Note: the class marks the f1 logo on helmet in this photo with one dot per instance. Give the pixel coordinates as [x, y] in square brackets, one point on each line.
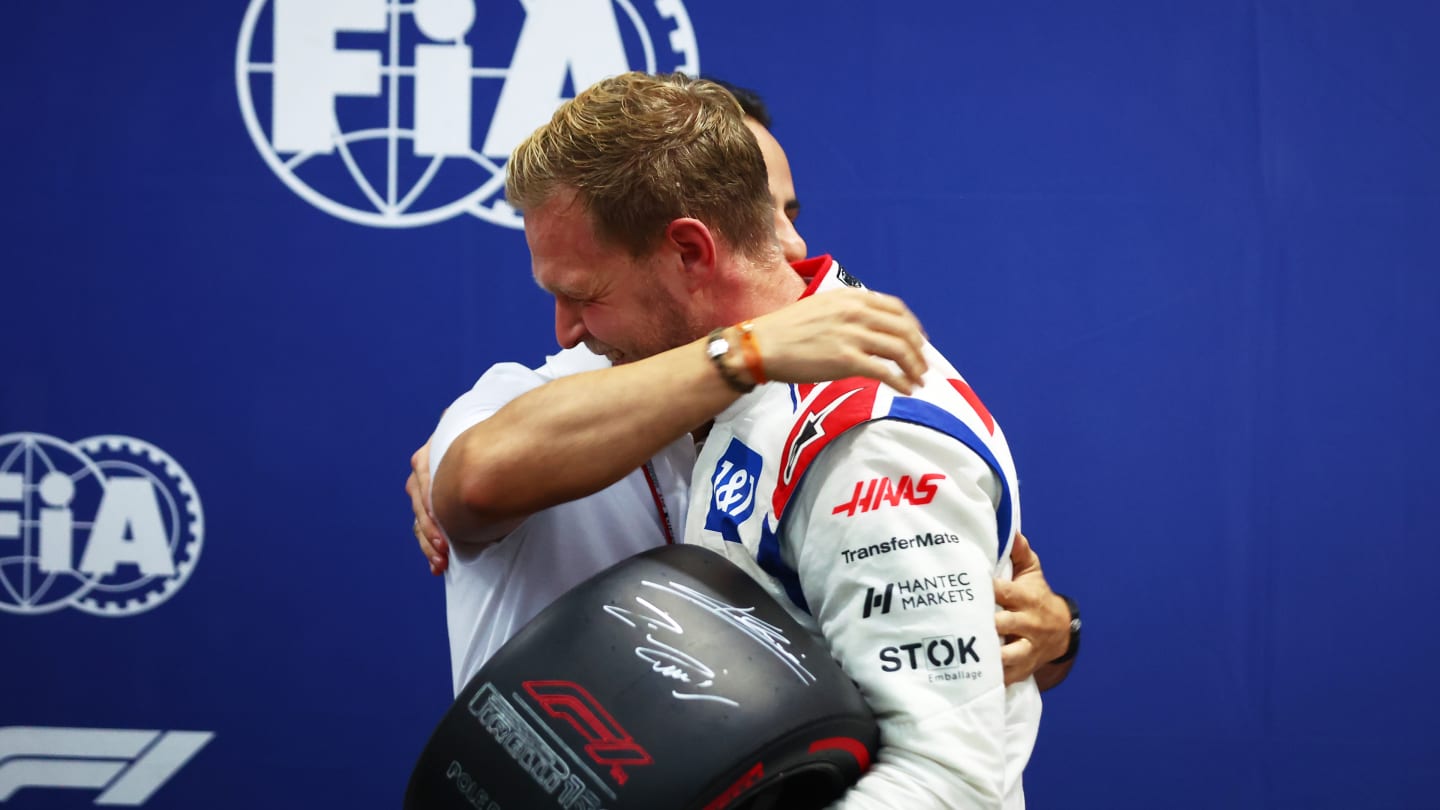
[371, 109]
[606, 742]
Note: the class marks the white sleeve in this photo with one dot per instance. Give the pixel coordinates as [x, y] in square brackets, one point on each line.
[500, 384]
[894, 540]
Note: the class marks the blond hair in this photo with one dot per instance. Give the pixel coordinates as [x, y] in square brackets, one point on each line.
[643, 150]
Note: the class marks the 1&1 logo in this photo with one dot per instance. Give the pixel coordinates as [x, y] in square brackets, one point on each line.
[109, 525]
[375, 107]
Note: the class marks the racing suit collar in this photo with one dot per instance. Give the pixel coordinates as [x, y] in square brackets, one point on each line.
[813, 270]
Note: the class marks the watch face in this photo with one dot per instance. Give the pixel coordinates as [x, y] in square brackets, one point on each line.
[719, 347]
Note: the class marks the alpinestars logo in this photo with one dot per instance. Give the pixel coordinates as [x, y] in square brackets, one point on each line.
[811, 431]
[386, 113]
[109, 525]
[129, 766]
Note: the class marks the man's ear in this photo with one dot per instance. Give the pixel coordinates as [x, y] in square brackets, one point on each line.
[694, 245]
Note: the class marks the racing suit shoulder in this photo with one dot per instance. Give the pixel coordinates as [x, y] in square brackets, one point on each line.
[894, 539]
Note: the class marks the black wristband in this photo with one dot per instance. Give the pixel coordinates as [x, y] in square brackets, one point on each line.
[1074, 648]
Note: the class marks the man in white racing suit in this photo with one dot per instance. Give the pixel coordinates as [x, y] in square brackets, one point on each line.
[648, 219]
[879, 521]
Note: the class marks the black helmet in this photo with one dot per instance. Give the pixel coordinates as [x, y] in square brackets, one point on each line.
[670, 681]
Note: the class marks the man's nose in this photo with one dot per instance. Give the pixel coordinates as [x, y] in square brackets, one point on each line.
[569, 328]
[791, 243]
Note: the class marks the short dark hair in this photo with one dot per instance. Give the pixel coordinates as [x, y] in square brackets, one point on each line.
[750, 101]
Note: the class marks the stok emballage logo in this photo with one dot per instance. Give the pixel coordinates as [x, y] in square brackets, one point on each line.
[400, 113]
[109, 525]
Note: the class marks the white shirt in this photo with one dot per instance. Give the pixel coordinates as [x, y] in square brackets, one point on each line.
[491, 594]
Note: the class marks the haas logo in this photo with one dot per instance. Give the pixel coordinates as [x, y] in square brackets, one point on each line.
[384, 113]
[879, 492]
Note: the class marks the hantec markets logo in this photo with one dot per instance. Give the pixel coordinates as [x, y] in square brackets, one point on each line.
[109, 525]
[916, 593]
[401, 113]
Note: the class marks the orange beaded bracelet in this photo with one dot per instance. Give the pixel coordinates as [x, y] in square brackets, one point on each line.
[751, 350]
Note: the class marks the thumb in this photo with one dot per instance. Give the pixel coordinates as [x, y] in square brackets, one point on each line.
[1022, 556]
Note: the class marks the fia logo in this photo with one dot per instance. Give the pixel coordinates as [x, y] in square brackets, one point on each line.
[109, 525]
[381, 113]
[732, 490]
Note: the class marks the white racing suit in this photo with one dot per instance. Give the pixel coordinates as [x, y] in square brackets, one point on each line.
[879, 520]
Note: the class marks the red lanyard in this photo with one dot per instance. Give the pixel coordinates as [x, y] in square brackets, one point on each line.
[650, 478]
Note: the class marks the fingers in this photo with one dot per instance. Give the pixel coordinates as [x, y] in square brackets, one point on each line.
[884, 339]
[420, 468]
[1009, 595]
[891, 359]
[1010, 623]
[426, 532]
[895, 335]
[432, 545]
[1044, 620]
[845, 333]
[1019, 659]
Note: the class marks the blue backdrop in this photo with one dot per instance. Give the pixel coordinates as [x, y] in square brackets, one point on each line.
[1186, 251]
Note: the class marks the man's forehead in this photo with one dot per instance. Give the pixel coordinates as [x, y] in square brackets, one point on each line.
[777, 165]
[566, 257]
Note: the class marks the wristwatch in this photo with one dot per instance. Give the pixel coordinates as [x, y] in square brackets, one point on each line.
[1074, 647]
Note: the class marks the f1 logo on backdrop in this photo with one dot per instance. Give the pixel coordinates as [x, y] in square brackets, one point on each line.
[128, 765]
[109, 525]
[385, 113]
